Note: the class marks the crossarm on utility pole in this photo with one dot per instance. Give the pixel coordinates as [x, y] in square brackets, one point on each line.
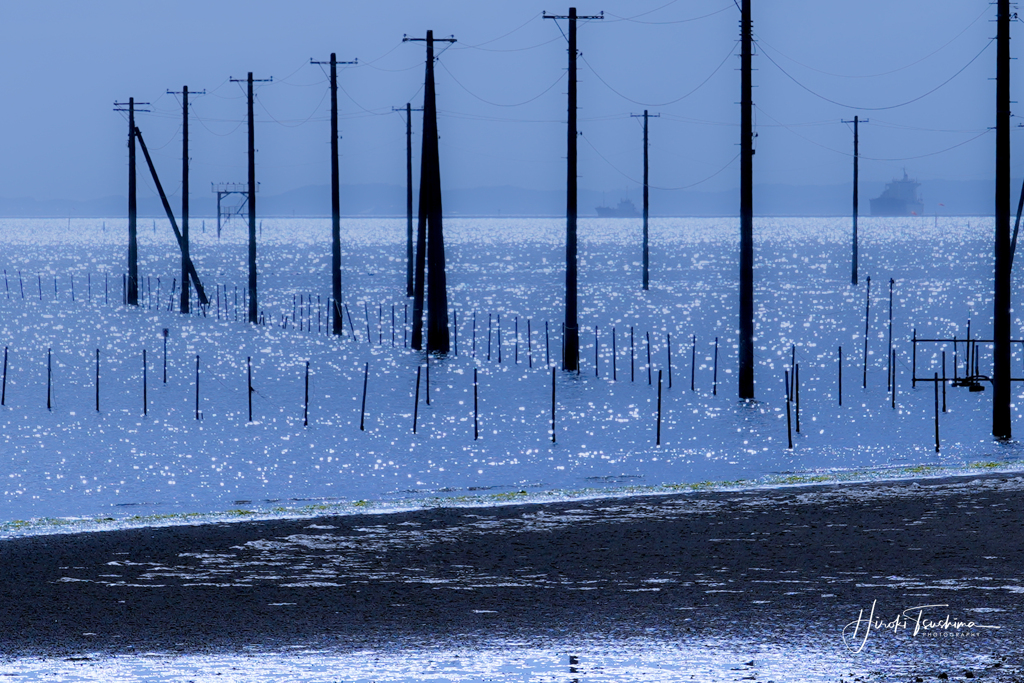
[174, 225]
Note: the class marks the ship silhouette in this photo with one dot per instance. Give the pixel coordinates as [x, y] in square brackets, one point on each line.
[625, 209]
[900, 198]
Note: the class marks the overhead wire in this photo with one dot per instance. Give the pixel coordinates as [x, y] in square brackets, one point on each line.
[657, 187]
[500, 104]
[662, 104]
[884, 73]
[674, 21]
[892, 106]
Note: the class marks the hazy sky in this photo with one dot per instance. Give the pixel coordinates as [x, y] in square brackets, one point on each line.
[501, 91]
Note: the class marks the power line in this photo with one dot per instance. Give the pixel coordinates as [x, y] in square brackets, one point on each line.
[660, 104]
[674, 21]
[892, 106]
[499, 104]
[656, 187]
[884, 73]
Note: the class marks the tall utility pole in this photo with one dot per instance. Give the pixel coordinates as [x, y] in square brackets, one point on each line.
[647, 260]
[746, 376]
[186, 289]
[253, 307]
[409, 286]
[337, 326]
[856, 185]
[571, 344]
[430, 238]
[1001, 426]
[133, 233]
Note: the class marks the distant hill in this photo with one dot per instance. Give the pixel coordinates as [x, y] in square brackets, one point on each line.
[958, 197]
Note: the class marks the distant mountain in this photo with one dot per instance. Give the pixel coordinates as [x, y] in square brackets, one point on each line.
[957, 197]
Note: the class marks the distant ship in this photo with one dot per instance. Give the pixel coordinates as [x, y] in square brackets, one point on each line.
[625, 209]
[899, 199]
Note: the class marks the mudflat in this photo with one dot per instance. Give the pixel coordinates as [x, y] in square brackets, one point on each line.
[762, 564]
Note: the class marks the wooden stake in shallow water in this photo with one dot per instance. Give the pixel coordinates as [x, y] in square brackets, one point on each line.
[362, 410]
[552, 405]
[867, 313]
[615, 360]
[668, 347]
[936, 412]
[97, 376]
[3, 392]
[476, 409]
[49, 375]
[658, 438]
[649, 359]
[529, 343]
[796, 394]
[416, 400]
[789, 415]
[305, 404]
[197, 386]
[145, 385]
[714, 380]
[248, 365]
[839, 383]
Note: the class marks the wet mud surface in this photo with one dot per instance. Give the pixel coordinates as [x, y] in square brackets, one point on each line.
[772, 566]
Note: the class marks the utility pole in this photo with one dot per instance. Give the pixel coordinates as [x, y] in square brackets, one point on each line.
[409, 291]
[1001, 394]
[133, 235]
[186, 289]
[571, 345]
[746, 375]
[856, 184]
[253, 307]
[337, 326]
[647, 259]
[430, 237]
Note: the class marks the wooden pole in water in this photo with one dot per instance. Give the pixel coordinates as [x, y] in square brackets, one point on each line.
[693, 365]
[892, 359]
[658, 438]
[936, 412]
[714, 381]
[839, 384]
[597, 364]
[529, 343]
[145, 384]
[649, 369]
[668, 346]
[428, 379]
[3, 392]
[867, 311]
[796, 394]
[197, 386]
[97, 376]
[166, 332]
[615, 360]
[362, 410]
[552, 405]
[498, 335]
[943, 381]
[547, 345]
[248, 365]
[476, 409]
[889, 354]
[305, 404]
[789, 415]
[632, 371]
[49, 374]
[416, 401]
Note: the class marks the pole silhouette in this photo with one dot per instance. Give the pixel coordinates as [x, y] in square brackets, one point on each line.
[856, 196]
[1001, 394]
[430, 280]
[571, 342]
[337, 322]
[133, 233]
[253, 301]
[409, 253]
[646, 259]
[186, 290]
[746, 374]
